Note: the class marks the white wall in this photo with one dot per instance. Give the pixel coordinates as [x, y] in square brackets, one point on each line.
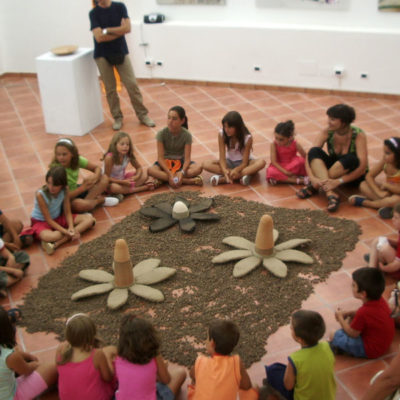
[224, 43]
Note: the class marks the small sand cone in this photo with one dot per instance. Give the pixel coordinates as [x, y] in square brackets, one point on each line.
[265, 238]
[122, 265]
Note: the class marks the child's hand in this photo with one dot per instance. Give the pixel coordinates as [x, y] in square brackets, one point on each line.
[18, 273]
[338, 314]
[11, 261]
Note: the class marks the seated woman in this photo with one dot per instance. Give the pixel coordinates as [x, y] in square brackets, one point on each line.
[345, 162]
[174, 147]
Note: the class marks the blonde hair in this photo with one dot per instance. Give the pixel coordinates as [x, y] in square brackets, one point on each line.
[80, 331]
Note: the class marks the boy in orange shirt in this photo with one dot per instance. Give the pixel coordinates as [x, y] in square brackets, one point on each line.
[221, 376]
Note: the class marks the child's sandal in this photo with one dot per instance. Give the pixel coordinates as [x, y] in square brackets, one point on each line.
[357, 200]
[48, 247]
[306, 191]
[333, 203]
[198, 180]
[214, 180]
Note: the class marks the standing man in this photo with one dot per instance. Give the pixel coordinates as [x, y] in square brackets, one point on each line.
[109, 23]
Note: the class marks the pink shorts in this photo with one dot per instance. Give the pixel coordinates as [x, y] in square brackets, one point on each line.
[39, 226]
[30, 386]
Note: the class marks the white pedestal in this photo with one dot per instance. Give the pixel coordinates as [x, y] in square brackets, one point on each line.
[70, 92]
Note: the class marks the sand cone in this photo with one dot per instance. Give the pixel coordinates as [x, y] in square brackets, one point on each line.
[265, 237]
[122, 265]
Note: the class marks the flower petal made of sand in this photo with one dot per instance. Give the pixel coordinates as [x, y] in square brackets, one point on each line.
[145, 266]
[165, 207]
[96, 275]
[275, 266]
[275, 235]
[294, 255]
[245, 266]
[201, 205]
[290, 244]
[117, 298]
[152, 212]
[147, 292]
[155, 276]
[162, 224]
[239, 242]
[92, 291]
[205, 216]
[187, 224]
[230, 256]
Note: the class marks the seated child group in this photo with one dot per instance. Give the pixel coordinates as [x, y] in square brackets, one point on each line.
[86, 369]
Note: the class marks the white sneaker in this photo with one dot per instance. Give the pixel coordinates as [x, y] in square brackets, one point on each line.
[110, 202]
[117, 125]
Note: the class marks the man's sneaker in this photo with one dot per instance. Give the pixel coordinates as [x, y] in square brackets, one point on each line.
[146, 120]
[117, 125]
[110, 202]
[386, 212]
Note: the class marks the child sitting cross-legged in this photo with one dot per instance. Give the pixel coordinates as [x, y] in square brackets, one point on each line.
[310, 371]
[222, 375]
[366, 332]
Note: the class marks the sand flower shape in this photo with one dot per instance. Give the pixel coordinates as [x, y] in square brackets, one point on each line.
[182, 211]
[264, 251]
[125, 279]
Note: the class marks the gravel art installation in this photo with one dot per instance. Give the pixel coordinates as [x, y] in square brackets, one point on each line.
[200, 291]
[263, 251]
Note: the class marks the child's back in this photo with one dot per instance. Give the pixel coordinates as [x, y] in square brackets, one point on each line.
[81, 380]
[83, 371]
[217, 377]
[314, 372]
[143, 387]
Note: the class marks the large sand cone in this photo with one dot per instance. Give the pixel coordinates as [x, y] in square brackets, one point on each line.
[265, 237]
[122, 265]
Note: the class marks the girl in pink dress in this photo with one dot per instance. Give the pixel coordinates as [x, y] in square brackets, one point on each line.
[83, 370]
[286, 165]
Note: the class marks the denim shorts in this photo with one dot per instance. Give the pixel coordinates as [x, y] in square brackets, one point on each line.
[350, 345]
[164, 392]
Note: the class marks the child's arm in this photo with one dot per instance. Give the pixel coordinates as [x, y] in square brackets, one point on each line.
[275, 163]
[391, 267]
[17, 273]
[139, 170]
[92, 180]
[4, 252]
[222, 158]
[341, 317]
[20, 363]
[187, 157]
[8, 227]
[300, 150]
[162, 371]
[245, 382]
[370, 179]
[111, 353]
[289, 379]
[390, 188]
[192, 374]
[161, 161]
[235, 173]
[68, 216]
[45, 211]
[100, 363]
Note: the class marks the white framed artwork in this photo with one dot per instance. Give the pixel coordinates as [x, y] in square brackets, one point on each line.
[305, 4]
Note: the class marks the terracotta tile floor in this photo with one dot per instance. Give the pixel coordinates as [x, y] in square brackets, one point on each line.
[26, 150]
